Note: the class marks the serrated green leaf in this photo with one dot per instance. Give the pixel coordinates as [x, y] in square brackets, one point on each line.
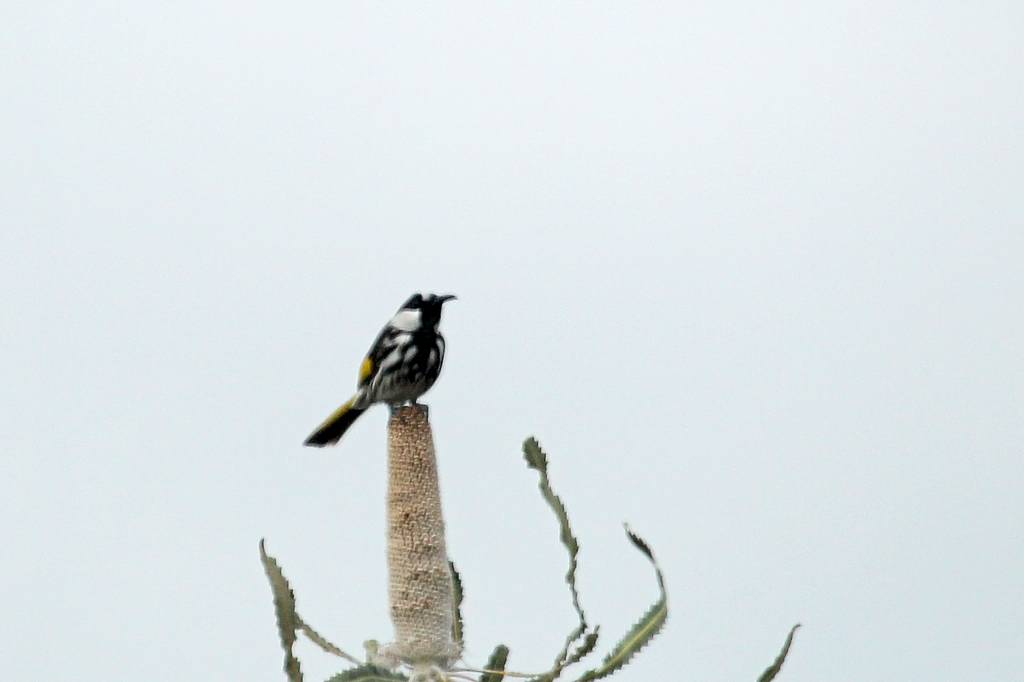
[769, 674]
[565, 659]
[589, 642]
[457, 595]
[538, 460]
[284, 607]
[562, 660]
[323, 642]
[496, 662]
[367, 673]
[642, 632]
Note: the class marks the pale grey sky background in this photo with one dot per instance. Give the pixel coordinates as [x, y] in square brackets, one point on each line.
[752, 273]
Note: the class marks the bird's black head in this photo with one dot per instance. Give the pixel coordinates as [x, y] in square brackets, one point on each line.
[429, 307]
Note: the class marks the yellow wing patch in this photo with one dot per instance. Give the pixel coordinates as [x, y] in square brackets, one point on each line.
[365, 370]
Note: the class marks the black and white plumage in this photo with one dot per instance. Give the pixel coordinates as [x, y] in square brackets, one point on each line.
[402, 364]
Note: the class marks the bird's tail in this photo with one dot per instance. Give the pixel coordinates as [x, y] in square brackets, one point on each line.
[334, 427]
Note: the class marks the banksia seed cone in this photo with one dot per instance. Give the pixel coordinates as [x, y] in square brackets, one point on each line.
[420, 589]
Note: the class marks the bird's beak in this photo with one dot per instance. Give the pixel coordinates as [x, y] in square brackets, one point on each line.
[447, 297]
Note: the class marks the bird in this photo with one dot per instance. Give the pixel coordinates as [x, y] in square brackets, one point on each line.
[401, 365]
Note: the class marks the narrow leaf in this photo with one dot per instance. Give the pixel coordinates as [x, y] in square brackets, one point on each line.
[563, 658]
[323, 642]
[457, 595]
[367, 673]
[589, 642]
[496, 663]
[284, 607]
[643, 631]
[537, 459]
[769, 674]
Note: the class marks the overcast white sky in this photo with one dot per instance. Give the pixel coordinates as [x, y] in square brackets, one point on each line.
[752, 272]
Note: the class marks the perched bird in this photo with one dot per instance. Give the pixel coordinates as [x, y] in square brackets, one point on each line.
[403, 363]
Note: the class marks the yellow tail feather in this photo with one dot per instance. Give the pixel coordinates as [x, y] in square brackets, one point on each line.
[334, 427]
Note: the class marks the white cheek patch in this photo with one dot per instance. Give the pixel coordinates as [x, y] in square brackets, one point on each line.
[406, 320]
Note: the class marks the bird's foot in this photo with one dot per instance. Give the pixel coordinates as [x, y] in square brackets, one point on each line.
[398, 407]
